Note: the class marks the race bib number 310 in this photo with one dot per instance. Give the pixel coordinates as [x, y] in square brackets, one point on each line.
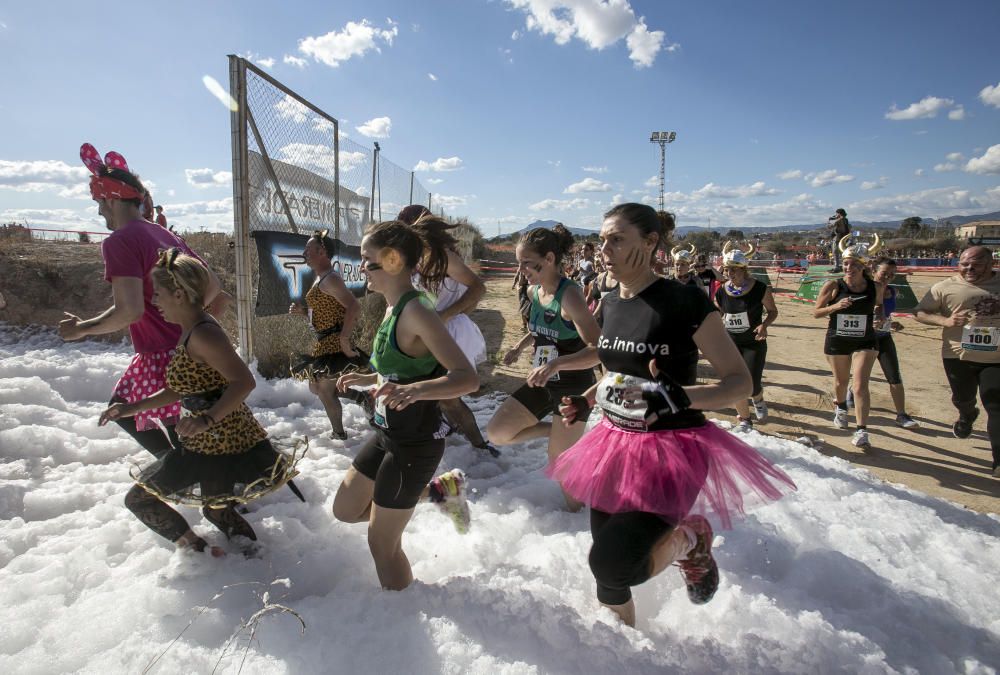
[851, 325]
[980, 338]
[737, 323]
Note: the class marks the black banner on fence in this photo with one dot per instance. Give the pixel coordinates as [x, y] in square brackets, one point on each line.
[285, 277]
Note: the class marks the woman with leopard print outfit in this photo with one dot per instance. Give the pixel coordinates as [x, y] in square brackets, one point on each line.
[221, 444]
[332, 310]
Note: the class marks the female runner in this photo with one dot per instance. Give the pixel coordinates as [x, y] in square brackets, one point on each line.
[561, 332]
[332, 310]
[654, 467]
[742, 301]
[851, 344]
[221, 445]
[416, 364]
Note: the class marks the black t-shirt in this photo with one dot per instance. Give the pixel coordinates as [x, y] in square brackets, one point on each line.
[857, 322]
[742, 313]
[659, 323]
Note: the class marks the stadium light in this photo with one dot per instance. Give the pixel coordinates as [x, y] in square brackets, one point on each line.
[662, 138]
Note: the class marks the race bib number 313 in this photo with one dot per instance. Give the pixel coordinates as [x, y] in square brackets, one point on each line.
[980, 338]
[851, 325]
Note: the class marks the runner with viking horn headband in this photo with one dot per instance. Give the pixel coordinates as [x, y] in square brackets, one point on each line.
[851, 346]
[683, 259]
[655, 467]
[130, 252]
[333, 311]
[416, 363]
[743, 300]
[454, 297]
[221, 445]
[562, 334]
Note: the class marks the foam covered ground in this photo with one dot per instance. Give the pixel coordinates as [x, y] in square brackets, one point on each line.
[850, 574]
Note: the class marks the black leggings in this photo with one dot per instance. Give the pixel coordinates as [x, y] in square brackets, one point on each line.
[152, 440]
[621, 556]
[965, 377]
[888, 359]
[755, 355]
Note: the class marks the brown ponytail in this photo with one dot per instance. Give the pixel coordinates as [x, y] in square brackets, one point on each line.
[423, 245]
[558, 241]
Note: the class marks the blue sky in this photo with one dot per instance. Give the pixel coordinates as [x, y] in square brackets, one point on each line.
[541, 109]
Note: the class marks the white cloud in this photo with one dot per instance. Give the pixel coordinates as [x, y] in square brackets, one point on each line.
[378, 127]
[434, 181]
[595, 169]
[515, 35]
[45, 176]
[988, 163]
[588, 184]
[828, 177]
[554, 162]
[652, 181]
[994, 193]
[295, 61]
[61, 219]
[990, 95]
[266, 63]
[440, 164]
[432, 77]
[617, 199]
[929, 106]
[320, 158]
[597, 23]
[790, 174]
[945, 166]
[875, 184]
[918, 173]
[354, 40]
[955, 157]
[561, 204]
[946, 201]
[451, 201]
[290, 108]
[262, 62]
[713, 191]
[206, 178]
[957, 114]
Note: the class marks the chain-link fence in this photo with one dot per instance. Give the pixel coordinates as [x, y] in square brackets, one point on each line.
[294, 172]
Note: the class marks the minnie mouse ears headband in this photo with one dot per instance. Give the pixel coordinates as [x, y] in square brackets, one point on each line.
[105, 187]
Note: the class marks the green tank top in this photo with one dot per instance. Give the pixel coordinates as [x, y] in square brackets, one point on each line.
[388, 360]
[546, 325]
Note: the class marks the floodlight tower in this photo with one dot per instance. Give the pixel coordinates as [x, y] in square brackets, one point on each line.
[662, 138]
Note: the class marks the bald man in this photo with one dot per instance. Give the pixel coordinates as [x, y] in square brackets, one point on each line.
[967, 307]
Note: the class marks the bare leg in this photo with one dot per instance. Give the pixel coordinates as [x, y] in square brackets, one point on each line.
[385, 541]
[353, 503]
[625, 612]
[513, 423]
[561, 438]
[898, 397]
[841, 367]
[861, 367]
[326, 390]
[743, 409]
[674, 546]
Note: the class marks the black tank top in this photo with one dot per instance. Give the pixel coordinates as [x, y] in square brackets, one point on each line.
[857, 321]
[659, 323]
[743, 313]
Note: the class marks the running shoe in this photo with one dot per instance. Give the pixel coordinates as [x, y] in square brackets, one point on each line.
[963, 426]
[447, 491]
[850, 399]
[743, 425]
[840, 418]
[860, 439]
[905, 421]
[488, 447]
[759, 410]
[701, 574]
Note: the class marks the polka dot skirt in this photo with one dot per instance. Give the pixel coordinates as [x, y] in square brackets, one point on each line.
[145, 376]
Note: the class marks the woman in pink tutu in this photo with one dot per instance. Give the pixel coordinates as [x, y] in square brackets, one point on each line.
[654, 467]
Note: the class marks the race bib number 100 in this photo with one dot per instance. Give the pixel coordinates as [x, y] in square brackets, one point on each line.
[544, 354]
[851, 325]
[980, 338]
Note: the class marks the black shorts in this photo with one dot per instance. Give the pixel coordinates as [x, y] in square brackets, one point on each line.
[400, 470]
[842, 346]
[544, 401]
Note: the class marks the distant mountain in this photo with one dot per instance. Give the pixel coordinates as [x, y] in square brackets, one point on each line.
[578, 231]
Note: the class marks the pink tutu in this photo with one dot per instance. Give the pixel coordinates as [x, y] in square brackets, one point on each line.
[146, 375]
[702, 470]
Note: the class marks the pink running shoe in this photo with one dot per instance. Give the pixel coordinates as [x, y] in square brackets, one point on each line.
[699, 570]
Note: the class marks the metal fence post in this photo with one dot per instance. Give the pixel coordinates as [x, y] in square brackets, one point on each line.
[374, 174]
[241, 207]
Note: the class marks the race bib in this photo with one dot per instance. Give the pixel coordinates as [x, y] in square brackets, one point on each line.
[851, 325]
[544, 354]
[737, 323]
[619, 410]
[380, 418]
[980, 338]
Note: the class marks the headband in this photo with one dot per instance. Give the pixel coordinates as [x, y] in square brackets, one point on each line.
[106, 187]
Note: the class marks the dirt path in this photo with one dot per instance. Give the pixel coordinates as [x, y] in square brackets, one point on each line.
[797, 387]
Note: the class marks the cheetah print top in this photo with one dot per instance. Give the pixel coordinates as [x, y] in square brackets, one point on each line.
[327, 313]
[236, 432]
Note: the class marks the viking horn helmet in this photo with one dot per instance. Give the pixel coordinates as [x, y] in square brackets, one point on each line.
[680, 255]
[733, 256]
[860, 251]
